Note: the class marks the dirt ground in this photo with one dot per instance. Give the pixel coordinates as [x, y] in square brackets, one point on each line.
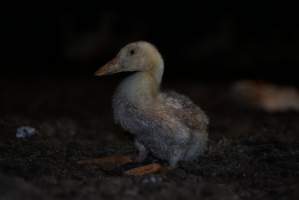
[252, 154]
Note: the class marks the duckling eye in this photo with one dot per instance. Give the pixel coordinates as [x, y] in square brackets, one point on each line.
[132, 52]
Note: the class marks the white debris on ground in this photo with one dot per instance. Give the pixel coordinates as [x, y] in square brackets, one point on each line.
[25, 132]
[151, 179]
[267, 96]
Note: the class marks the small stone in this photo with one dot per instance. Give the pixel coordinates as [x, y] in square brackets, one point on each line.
[25, 132]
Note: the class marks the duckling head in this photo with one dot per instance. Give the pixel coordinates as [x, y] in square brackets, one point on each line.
[137, 56]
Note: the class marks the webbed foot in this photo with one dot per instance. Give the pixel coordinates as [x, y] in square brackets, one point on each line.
[144, 170]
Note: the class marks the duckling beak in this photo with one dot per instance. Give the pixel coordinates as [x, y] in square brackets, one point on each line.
[109, 68]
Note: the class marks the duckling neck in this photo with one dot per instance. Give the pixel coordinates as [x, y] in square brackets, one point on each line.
[143, 87]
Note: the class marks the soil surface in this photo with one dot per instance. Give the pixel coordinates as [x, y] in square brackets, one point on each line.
[252, 154]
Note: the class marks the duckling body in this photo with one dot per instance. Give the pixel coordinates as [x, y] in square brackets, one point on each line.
[167, 124]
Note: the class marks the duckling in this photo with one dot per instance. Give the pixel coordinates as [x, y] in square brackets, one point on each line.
[165, 123]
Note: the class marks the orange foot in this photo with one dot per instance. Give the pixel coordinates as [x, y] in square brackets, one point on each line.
[110, 163]
[144, 170]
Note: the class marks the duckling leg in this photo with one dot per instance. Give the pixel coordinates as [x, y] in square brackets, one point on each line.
[114, 161]
[142, 151]
[111, 162]
[145, 169]
[175, 157]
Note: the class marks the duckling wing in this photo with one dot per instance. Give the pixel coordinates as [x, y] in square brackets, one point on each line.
[150, 124]
[185, 110]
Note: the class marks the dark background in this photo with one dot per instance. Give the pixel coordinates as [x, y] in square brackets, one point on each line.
[50, 52]
[211, 41]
